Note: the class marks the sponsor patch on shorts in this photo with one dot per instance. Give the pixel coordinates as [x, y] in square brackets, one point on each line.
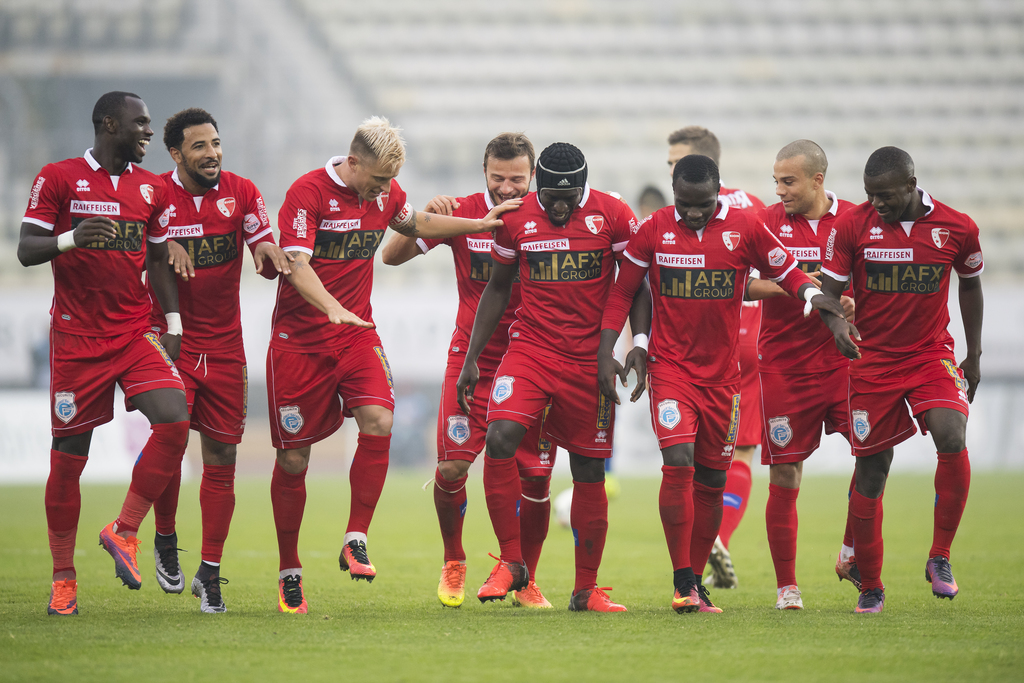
[458, 428]
[291, 419]
[780, 431]
[861, 424]
[668, 413]
[502, 388]
[64, 406]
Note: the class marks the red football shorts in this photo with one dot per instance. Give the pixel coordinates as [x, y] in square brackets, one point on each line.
[750, 396]
[462, 437]
[303, 390]
[83, 371]
[796, 406]
[217, 389]
[707, 417]
[581, 419]
[878, 413]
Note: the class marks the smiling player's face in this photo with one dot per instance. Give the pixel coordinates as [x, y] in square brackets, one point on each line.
[695, 202]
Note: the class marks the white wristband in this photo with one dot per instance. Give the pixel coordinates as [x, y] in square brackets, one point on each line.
[640, 340]
[810, 293]
[66, 241]
[173, 323]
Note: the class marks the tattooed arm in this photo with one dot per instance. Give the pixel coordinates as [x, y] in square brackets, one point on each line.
[435, 226]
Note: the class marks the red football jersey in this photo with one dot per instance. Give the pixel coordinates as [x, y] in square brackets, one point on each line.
[98, 289]
[322, 217]
[472, 254]
[211, 227]
[738, 199]
[566, 272]
[789, 342]
[697, 281]
[901, 279]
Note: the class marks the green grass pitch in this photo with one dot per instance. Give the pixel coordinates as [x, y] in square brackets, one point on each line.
[396, 630]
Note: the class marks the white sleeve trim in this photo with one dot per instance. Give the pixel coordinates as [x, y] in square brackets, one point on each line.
[504, 252]
[304, 250]
[422, 245]
[258, 235]
[788, 271]
[976, 273]
[35, 221]
[619, 246]
[834, 275]
[642, 264]
[157, 240]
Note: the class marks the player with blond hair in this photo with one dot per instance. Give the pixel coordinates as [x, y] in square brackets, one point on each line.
[332, 221]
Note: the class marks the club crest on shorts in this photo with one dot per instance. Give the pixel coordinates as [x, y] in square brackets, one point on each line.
[502, 388]
[779, 431]
[594, 223]
[668, 413]
[291, 419]
[731, 239]
[939, 237]
[861, 425]
[64, 406]
[226, 206]
[458, 428]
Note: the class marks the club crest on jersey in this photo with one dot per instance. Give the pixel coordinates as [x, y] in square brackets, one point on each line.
[594, 223]
[861, 425]
[668, 413]
[382, 200]
[458, 429]
[779, 431]
[502, 388]
[147, 193]
[291, 419]
[940, 236]
[64, 406]
[731, 239]
[777, 256]
[226, 206]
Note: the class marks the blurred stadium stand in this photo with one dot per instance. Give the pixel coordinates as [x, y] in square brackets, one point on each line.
[289, 80]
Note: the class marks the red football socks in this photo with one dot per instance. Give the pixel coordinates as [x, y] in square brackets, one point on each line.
[781, 521]
[534, 517]
[217, 502]
[288, 497]
[867, 538]
[675, 503]
[503, 490]
[848, 534]
[589, 521]
[450, 503]
[160, 459]
[737, 493]
[166, 506]
[366, 478]
[63, 504]
[707, 520]
[952, 482]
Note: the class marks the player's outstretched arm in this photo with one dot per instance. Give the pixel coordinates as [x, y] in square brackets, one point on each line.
[38, 245]
[436, 226]
[401, 248]
[972, 309]
[161, 278]
[281, 260]
[493, 302]
[178, 260]
[307, 283]
[841, 329]
[758, 289]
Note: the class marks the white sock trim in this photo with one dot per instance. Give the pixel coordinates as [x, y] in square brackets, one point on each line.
[534, 500]
[354, 536]
[846, 553]
[294, 571]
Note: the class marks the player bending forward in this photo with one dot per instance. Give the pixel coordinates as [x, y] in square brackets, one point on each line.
[213, 213]
[696, 255]
[508, 170]
[332, 221]
[899, 248]
[99, 220]
[565, 241]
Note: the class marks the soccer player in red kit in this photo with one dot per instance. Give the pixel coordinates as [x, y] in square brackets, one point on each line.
[899, 248]
[803, 378]
[332, 221]
[564, 240]
[696, 255]
[700, 140]
[91, 218]
[213, 212]
[508, 170]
